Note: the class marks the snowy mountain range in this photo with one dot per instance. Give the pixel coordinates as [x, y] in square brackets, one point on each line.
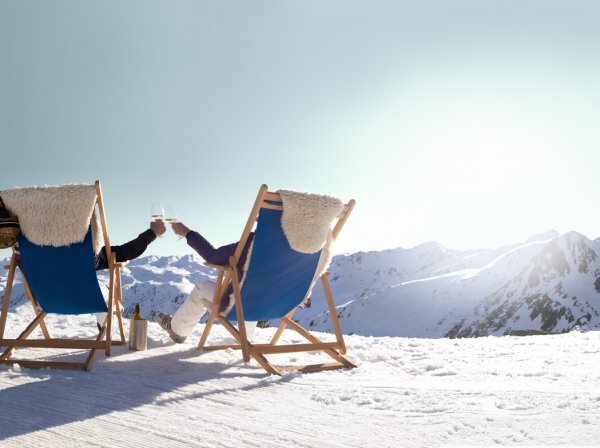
[549, 283]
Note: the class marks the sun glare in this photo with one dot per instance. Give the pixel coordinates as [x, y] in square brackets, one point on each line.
[477, 171]
[485, 177]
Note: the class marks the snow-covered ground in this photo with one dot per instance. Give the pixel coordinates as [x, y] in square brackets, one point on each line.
[536, 390]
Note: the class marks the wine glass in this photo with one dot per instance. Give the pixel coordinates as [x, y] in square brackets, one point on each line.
[157, 212]
[171, 216]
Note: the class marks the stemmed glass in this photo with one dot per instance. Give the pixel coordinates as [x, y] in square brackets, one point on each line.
[157, 212]
[171, 216]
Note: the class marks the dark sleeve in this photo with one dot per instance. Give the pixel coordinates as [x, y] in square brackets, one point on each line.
[211, 255]
[127, 251]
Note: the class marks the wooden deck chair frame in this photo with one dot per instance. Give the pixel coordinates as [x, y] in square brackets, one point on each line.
[227, 275]
[104, 339]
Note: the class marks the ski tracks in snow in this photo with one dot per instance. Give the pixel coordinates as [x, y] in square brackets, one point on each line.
[406, 392]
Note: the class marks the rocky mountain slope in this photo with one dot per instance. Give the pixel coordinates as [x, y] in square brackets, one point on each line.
[551, 283]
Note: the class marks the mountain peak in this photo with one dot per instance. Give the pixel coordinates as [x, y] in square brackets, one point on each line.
[431, 246]
[547, 235]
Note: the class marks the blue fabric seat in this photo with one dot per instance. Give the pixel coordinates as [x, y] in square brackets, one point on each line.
[278, 277]
[63, 279]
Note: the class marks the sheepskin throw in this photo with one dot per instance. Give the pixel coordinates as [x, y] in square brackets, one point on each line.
[307, 219]
[306, 222]
[322, 266]
[55, 215]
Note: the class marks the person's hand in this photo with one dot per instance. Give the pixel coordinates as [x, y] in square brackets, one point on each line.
[158, 227]
[180, 229]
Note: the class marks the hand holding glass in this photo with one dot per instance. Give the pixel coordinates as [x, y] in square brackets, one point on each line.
[171, 216]
[157, 213]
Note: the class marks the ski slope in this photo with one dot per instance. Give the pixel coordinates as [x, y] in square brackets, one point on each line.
[405, 393]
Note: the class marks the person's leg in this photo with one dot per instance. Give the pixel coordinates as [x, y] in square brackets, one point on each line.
[191, 311]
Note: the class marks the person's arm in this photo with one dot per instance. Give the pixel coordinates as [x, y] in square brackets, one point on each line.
[133, 248]
[211, 255]
[219, 256]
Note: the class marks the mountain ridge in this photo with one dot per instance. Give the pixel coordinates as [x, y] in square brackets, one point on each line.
[549, 283]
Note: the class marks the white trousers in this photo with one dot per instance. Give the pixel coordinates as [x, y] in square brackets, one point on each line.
[190, 312]
[195, 306]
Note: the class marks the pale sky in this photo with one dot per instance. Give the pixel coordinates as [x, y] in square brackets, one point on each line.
[472, 123]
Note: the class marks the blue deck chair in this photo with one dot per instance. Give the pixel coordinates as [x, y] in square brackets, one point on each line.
[62, 280]
[277, 280]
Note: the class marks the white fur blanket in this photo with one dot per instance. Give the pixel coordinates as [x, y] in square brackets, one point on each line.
[307, 219]
[322, 266]
[55, 215]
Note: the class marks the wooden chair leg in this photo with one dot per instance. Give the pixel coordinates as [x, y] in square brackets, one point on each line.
[119, 297]
[257, 356]
[239, 310]
[282, 326]
[111, 298]
[333, 313]
[207, 328]
[36, 306]
[34, 323]
[119, 311]
[311, 338]
[7, 292]
[215, 307]
[9, 284]
[265, 364]
[92, 356]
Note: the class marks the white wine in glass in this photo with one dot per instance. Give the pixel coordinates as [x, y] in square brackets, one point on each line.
[157, 213]
[171, 216]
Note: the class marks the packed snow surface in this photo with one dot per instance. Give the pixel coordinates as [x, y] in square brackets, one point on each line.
[406, 392]
[534, 390]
